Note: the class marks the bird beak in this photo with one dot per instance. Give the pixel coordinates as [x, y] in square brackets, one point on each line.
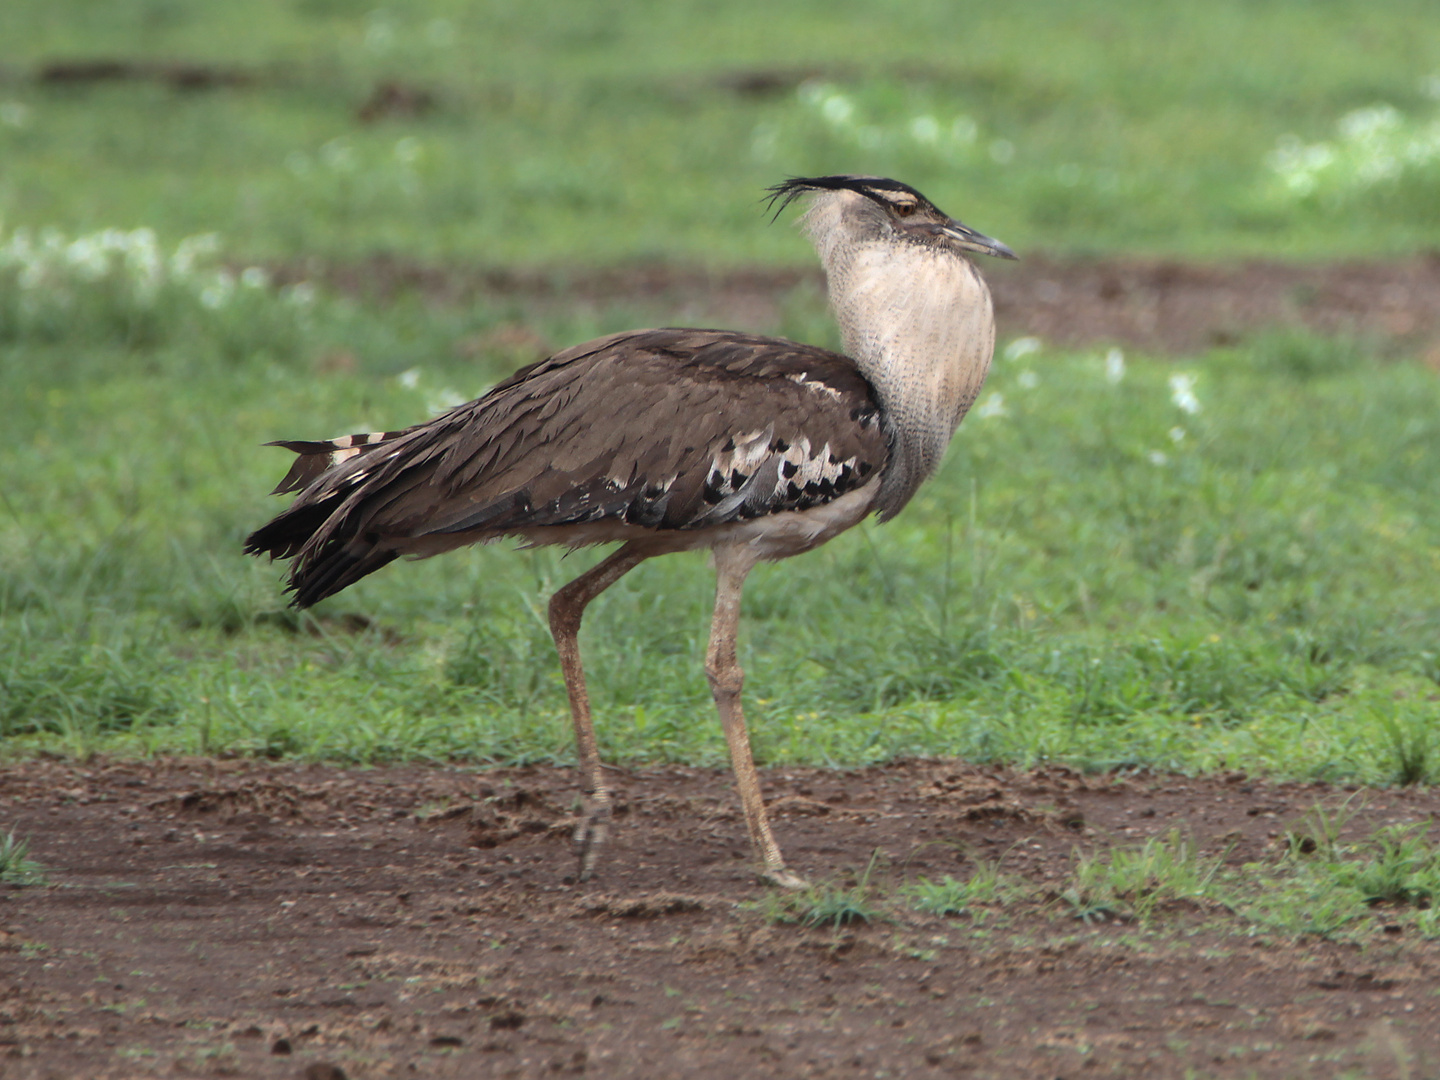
[968, 239]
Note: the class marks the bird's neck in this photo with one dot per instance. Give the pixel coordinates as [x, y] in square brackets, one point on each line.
[920, 326]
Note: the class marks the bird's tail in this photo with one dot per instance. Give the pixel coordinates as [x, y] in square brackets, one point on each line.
[317, 458]
[328, 557]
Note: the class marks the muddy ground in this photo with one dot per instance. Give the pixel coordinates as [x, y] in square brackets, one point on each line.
[214, 918]
[1156, 305]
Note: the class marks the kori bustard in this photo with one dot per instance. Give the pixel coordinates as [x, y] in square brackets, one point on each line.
[676, 439]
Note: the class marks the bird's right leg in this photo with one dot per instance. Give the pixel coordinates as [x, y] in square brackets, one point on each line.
[567, 607]
[722, 667]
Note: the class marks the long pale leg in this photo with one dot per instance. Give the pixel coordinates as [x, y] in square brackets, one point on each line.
[732, 565]
[567, 607]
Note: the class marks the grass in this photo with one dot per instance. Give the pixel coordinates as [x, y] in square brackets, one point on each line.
[828, 904]
[1325, 888]
[1123, 563]
[951, 896]
[1320, 887]
[643, 130]
[16, 866]
[1133, 883]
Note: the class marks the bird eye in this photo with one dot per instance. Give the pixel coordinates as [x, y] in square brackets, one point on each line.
[904, 209]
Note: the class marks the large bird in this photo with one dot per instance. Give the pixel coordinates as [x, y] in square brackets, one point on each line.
[756, 448]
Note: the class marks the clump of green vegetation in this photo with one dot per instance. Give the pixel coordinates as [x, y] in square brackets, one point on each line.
[1132, 883]
[1326, 886]
[1408, 745]
[949, 896]
[828, 905]
[16, 866]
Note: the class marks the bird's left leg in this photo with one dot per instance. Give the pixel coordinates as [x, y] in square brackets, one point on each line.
[732, 565]
[567, 607]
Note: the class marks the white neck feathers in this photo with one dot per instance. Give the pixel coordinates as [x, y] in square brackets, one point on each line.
[918, 322]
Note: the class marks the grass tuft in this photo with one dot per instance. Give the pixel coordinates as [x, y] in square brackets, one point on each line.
[949, 896]
[16, 866]
[828, 905]
[1131, 883]
[1407, 745]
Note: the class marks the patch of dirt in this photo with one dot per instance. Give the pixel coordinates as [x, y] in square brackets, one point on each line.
[395, 100]
[179, 75]
[239, 918]
[1160, 306]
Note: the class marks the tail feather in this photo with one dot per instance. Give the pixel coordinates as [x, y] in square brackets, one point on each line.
[312, 580]
[324, 564]
[319, 457]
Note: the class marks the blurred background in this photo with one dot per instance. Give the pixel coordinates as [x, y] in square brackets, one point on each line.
[554, 132]
[1191, 522]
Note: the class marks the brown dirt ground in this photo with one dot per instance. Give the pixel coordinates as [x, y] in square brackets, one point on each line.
[1155, 305]
[209, 918]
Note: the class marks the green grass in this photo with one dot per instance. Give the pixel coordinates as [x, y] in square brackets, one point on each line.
[1135, 882]
[1097, 575]
[16, 866]
[986, 885]
[1319, 887]
[603, 132]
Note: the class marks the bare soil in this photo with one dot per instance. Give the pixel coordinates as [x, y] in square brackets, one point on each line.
[211, 918]
[1161, 306]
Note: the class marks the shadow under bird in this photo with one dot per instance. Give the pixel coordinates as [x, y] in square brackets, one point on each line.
[668, 440]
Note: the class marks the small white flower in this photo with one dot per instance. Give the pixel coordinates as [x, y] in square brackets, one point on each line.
[217, 294]
[89, 257]
[925, 129]
[1114, 367]
[444, 399]
[254, 277]
[1182, 393]
[1028, 380]
[1158, 458]
[1177, 434]
[1369, 122]
[191, 250]
[409, 379]
[813, 91]
[301, 294]
[837, 109]
[144, 263]
[1023, 346]
[992, 407]
[338, 154]
[963, 130]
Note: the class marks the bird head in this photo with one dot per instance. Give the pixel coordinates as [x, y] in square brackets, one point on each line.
[872, 207]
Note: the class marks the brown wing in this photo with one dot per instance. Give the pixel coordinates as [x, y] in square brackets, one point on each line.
[659, 429]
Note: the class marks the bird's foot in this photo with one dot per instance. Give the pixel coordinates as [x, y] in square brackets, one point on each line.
[782, 878]
[590, 834]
